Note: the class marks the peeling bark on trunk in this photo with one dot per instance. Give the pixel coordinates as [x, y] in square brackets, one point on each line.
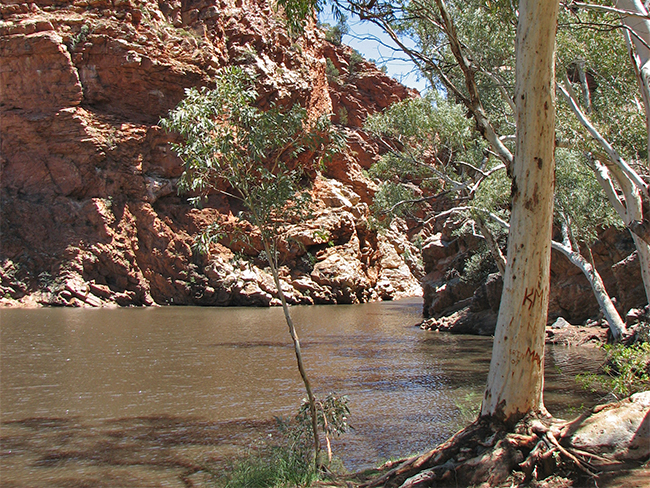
[516, 377]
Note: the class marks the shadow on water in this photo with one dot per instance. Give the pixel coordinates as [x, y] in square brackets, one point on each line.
[141, 451]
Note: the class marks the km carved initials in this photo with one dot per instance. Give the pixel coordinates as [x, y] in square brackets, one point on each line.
[531, 297]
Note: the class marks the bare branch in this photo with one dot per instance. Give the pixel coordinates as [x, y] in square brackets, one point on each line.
[495, 250]
[605, 8]
[416, 200]
[500, 84]
[497, 219]
[605, 180]
[446, 213]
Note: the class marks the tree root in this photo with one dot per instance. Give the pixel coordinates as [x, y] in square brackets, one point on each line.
[487, 453]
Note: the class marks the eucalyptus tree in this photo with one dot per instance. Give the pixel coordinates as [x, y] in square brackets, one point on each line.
[434, 152]
[606, 54]
[231, 147]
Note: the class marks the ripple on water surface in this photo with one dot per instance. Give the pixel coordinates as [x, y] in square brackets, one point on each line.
[117, 394]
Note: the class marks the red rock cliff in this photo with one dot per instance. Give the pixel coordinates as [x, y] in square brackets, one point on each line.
[90, 214]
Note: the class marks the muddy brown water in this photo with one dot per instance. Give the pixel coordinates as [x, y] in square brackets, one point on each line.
[147, 397]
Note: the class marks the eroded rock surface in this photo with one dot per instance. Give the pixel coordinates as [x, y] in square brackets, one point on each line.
[456, 304]
[89, 208]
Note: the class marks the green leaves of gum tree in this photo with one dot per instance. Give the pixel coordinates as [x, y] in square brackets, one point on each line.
[298, 11]
[432, 144]
[595, 40]
[232, 147]
[580, 202]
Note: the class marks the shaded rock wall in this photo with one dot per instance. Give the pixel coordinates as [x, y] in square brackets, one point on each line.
[90, 214]
[454, 304]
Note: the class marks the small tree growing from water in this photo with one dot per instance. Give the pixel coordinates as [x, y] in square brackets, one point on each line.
[231, 147]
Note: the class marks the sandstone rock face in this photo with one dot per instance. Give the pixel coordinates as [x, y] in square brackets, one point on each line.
[618, 430]
[90, 213]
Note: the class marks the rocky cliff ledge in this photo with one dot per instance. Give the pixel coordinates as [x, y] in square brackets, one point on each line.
[90, 212]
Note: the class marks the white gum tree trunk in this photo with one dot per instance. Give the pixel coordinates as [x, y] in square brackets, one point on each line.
[639, 35]
[516, 377]
[639, 30]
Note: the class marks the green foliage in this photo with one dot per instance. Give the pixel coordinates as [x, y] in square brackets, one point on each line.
[469, 406]
[323, 236]
[308, 260]
[479, 265]
[486, 29]
[333, 413]
[430, 140]
[334, 34]
[591, 39]
[210, 235]
[389, 196]
[248, 54]
[231, 146]
[297, 12]
[494, 194]
[422, 120]
[580, 201]
[284, 458]
[283, 461]
[332, 72]
[356, 58]
[626, 370]
[80, 38]
[343, 115]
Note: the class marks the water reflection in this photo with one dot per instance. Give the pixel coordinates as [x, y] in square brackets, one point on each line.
[177, 386]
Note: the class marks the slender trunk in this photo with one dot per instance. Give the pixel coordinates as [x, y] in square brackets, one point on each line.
[516, 377]
[296, 348]
[616, 324]
[639, 30]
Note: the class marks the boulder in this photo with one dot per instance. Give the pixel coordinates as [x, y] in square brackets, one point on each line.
[619, 430]
[342, 272]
